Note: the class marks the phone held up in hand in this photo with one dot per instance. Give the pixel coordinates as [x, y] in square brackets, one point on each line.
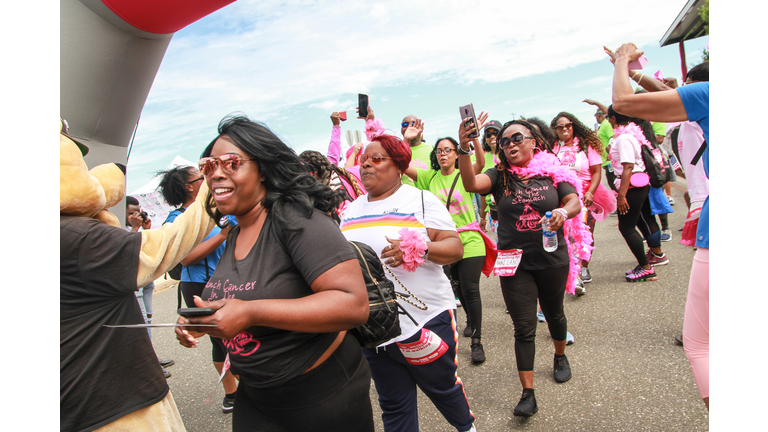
[362, 105]
[468, 112]
[196, 312]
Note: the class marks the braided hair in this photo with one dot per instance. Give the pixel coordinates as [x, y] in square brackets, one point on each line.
[323, 168]
[509, 182]
[586, 136]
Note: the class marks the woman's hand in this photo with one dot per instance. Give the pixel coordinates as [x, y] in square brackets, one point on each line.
[413, 131]
[588, 199]
[610, 53]
[464, 131]
[370, 114]
[336, 118]
[187, 338]
[357, 149]
[231, 317]
[621, 204]
[629, 52]
[555, 222]
[392, 254]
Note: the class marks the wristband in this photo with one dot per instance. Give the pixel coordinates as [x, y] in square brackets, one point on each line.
[562, 212]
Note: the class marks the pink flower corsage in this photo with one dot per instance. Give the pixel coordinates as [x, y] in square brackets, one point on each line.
[413, 247]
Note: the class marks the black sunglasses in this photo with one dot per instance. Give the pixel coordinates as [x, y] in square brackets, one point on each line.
[197, 179]
[516, 138]
[491, 132]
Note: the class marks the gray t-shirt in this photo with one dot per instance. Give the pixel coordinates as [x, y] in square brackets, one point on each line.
[281, 265]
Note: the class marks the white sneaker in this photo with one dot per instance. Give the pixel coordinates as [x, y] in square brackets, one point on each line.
[580, 290]
[671, 200]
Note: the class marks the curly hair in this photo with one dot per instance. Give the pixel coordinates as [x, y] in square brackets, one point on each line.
[433, 163]
[285, 177]
[323, 168]
[586, 136]
[509, 181]
[173, 185]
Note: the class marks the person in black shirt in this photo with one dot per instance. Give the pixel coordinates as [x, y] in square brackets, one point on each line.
[528, 182]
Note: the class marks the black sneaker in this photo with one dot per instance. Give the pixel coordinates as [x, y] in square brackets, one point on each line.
[478, 354]
[167, 373]
[227, 405]
[562, 369]
[166, 363]
[467, 331]
[527, 405]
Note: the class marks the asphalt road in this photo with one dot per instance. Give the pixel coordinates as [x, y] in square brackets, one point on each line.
[628, 373]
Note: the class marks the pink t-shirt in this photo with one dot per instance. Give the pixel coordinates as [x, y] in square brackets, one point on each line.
[574, 158]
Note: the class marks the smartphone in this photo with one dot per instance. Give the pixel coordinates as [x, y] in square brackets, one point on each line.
[196, 312]
[467, 111]
[362, 105]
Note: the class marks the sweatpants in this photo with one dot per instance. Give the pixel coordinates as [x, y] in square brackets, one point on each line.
[396, 379]
[334, 396]
[465, 280]
[521, 293]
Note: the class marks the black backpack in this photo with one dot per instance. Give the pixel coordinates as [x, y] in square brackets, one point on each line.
[656, 165]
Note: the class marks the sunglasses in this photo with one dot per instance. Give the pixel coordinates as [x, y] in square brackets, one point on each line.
[491, 132]
[229, 164]
[375, 158]
[446, 151]
[516, 139]
[564, 127]
[197, 179]
[406, 124]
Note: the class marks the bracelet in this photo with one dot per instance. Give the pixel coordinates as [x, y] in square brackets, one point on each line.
[562, 212]
[461, 150]
[634, 75]
[641, 78]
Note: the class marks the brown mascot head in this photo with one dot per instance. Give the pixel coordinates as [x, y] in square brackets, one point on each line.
[83, 192]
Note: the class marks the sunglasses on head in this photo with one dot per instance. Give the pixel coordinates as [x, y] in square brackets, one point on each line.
[516, 138]
[374, 157]
[564, 127]
[229, 164]
[491, 132]
[405, 124]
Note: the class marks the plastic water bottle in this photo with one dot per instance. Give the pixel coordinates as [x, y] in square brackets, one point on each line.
[550, 237]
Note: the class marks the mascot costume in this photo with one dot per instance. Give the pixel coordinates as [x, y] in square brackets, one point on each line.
[110, 378]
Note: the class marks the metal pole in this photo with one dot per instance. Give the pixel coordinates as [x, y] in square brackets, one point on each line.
[682, 60]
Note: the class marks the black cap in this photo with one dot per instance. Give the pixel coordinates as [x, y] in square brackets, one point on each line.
[493, 124]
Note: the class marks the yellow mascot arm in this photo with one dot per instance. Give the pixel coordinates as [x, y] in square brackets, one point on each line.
[164, 247]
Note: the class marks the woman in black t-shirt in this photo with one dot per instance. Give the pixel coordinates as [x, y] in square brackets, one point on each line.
[286, 289]
[528, 182]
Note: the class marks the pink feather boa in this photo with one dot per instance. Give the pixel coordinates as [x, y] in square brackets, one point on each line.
[547, 164]
[634, 130]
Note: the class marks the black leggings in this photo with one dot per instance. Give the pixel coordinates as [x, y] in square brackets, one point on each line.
[334, 396]
[521, 292]
[465, 280]
[639, 215]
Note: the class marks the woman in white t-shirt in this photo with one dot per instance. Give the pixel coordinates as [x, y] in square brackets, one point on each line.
[416, 236]
[632, 202]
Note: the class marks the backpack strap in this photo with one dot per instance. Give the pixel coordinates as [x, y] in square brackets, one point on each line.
[699, 153]
[450, 194]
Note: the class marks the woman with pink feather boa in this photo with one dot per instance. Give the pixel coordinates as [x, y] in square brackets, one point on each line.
[529, 181]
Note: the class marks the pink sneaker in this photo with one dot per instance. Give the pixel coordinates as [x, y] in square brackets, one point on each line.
[642, 275]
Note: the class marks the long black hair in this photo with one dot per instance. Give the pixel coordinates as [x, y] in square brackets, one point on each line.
[434, 164]
[546, 132]
[644, 125]
[509, 181]
[173, 185]
[284, 176]
[586, 136]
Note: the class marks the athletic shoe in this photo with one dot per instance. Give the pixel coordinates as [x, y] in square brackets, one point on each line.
[467, 331]
[579, 289]
[166, 363]
[585, 276]
[227, 405]
[540, 315]
[629, 272]
[527, 405]
[569, 339]
[679, 340]
[666, 235]
[657, 260]
[478, 354]
[458, 303]
[562, 369]
[167, 373]
[671, 200]
[642, 275]
[614, 213]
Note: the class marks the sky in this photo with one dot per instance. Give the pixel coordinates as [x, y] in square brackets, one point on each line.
[291, 64]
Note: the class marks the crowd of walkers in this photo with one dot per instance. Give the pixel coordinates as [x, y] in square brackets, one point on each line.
[284, 283]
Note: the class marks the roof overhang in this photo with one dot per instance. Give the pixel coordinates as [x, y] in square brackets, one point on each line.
[688, 25]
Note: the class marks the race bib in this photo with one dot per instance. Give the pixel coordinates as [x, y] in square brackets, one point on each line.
[507, 262]
[425, 350]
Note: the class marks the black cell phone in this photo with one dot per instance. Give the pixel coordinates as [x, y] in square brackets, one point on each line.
[468, 111]
[362, 105]
[196, 312]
